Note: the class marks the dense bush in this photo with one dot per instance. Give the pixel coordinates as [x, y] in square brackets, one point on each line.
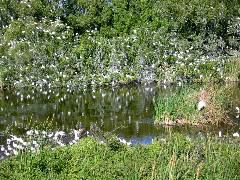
[82, 42]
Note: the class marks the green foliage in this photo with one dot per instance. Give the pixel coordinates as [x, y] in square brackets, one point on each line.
[176, 157]
[100, 42]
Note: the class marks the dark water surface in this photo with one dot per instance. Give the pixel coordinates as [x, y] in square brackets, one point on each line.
[127, 111]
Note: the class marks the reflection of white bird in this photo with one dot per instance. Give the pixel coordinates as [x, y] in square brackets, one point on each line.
[201, 105]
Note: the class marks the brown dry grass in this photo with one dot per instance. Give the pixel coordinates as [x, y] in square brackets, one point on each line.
[216, 112]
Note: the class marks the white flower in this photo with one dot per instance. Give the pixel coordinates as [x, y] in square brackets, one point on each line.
[8, 141]
[34, 142]
[33, 149]
[124, 141]
[18, 139]
[9, 148]
[60, 143]
[72, 142]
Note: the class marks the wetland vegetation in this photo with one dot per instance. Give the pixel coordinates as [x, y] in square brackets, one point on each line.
[61, 66]
[180, 108]
[176, 157]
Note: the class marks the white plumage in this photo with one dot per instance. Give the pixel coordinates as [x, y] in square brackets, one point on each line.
[201, 105]
[220, 134]
[236, 134]
[238, 110]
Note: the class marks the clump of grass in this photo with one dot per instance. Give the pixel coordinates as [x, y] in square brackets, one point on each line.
[1, 81]
[175, 158]
[216, 112]
[181, 108]
[232, 69]
[1, 85]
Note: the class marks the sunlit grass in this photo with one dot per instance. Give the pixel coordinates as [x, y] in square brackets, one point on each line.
[181, 107]
[232, 69]
[177, 106]
[172, 158]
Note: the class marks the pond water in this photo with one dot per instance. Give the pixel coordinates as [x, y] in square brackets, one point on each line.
[127, 111]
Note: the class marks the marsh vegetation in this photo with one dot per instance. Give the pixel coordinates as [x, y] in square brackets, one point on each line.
[181, 108]
[132, 68]
[170, 158]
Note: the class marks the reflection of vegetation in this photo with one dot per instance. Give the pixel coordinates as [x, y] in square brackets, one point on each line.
[67, 43]
[61, 109]
[180, 108]
[174, 158]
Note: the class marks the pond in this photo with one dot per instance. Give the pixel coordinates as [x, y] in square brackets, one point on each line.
[127, 111]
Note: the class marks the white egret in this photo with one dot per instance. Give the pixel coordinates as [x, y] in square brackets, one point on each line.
[236, 134]
[238, 110]
[203, 98]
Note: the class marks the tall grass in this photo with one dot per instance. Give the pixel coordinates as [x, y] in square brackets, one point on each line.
[176, 106]
[177, 157]
[181, 107]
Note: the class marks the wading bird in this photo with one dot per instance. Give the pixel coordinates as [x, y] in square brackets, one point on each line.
[203, 99]
[238, 110]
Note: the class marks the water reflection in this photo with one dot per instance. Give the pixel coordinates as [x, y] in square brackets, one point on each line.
[61, 109]
[128, 111]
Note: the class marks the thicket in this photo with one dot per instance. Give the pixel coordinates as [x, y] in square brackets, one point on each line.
[96, 42]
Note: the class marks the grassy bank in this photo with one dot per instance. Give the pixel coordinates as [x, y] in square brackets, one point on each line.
[181, 108]
[82, 43]
[176, 157]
